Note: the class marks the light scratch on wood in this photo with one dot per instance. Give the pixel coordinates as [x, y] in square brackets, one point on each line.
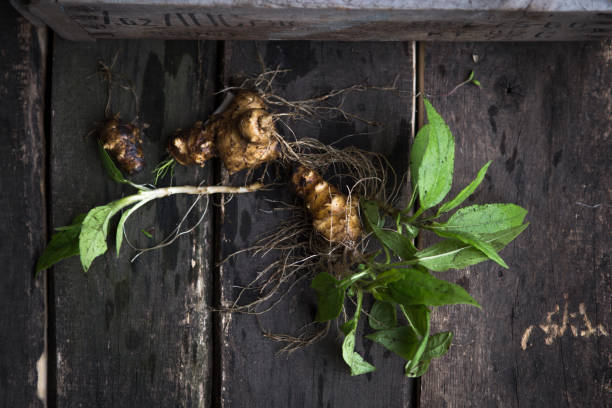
[554, 330]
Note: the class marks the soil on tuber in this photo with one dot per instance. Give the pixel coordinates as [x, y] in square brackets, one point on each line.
[123, 143]
[242, 135]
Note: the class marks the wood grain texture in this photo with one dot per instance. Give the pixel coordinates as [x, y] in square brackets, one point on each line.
[132, 334]
[394, 20]
[251, 373]
[544, 116]
[23, 51]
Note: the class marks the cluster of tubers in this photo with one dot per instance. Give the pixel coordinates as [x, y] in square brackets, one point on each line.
[243, 136]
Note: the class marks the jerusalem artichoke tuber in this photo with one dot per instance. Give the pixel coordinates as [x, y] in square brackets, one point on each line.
[123, 142]
[242, 135]
[334, 215]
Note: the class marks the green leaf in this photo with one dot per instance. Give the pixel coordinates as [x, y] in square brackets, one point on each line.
[476, 242]
[122, 220]
[419, 146]
[477, 83]
[466, 192]
[357, 364]
[418, 369]
[330, 296]
[484, 219]
[413, 363]
[453, 254]
[471, 76]
[92, 238]
[109, 165]
[382, 316]
[418, 317]
[400, 244]
[438, 345]
[64, 244]
[421, 326]
[403, 341]
[435, 169]
[418, 288]
[147, 233]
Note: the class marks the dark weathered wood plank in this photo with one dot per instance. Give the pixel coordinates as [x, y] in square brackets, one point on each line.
[131, 334]
[544, 115]
[340, 20]
[251, 374]
[23, 358]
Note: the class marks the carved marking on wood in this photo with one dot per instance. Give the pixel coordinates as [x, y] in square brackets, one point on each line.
[554, 330]
[207, 22]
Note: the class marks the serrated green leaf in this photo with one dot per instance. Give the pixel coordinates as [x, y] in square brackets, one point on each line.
[357, 364]
[438, 345]
[418, 288]
[418, 317]
[466, 192]
[382, 316]
[453, 254]
[484, 219]
[476, 242]
[92, 238]
[400, 244]
[330, 296]
[435, 170]
[354, 360]
[403, 341]
[64, 244]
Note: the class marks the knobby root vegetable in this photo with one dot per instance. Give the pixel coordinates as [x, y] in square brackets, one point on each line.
[192, 146]
[242, 135]
[333, 215]
[124, 144]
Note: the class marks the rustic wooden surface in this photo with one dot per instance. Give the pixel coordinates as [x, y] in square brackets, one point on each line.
[379, 20]
[251, 374]
[22, 211]
[131, 334]
[141, 334]
[544, 116]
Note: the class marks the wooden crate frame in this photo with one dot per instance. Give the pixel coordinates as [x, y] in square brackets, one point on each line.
[357, 20]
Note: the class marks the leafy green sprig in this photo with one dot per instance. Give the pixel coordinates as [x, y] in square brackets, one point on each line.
[86, 236]
[399, 277]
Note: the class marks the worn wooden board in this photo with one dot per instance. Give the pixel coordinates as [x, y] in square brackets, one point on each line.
[405, 20]
[23, 51]
[131, 334]
[544, 116]
[251, 373]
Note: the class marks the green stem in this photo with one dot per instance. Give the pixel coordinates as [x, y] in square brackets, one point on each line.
[346, 282]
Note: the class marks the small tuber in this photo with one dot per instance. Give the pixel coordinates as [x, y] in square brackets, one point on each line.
[124, 144]
[242, 135]
[333, 215]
